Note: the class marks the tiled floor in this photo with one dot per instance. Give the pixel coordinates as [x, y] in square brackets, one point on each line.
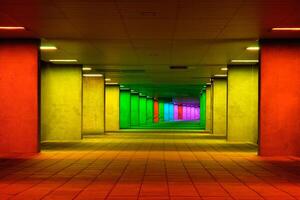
[150, 166]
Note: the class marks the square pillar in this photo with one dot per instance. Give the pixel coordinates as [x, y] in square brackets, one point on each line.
[220, 106]
[19, 96]
[279, 98]
[112, 108]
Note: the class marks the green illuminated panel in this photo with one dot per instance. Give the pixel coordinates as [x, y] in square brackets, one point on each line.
[161, 111]
[203, 109]
[124, 109]
[143, 110]
[134, 109]
[150, 111]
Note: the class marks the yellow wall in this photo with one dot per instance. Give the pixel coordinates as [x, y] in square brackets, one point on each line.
[112, 108]
[243, 104]
[219, 106]
[61, 103]
[93, 105]
[208, 108]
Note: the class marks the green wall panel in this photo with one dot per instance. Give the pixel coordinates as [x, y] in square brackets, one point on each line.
[243, 104]
[203, 109]
[124, 109]
[150, 111]
[134, 110]
[61, 104]
[161, 111]
[143, 110]
[220, 106]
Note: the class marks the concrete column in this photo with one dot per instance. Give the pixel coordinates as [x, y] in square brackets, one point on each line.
[112, 108]
[134, 111]
[156, 111]
[242, 104]
[203, 109]
[279, 98]
[161, 111]
[171, 112]
[166, 112]
[143, 110]
[61, 102]
[19, 99]
[220, 106]
[150, 110]
[175, 112]
[93, 105]
[125, 108]
[208, 122]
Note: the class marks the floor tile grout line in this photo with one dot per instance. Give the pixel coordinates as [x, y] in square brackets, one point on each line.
[212, 176]
[241, 181]
[268, 183]
[190, 177]
[145, 169]
[107, 165]
[121, 174]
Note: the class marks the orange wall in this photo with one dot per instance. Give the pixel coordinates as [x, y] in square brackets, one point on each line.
[280, 98]
[19, 97]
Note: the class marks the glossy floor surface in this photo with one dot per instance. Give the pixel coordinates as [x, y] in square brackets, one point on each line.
[155, 166]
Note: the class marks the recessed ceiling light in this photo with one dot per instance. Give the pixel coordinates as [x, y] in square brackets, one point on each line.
[111, 83]
[224, 68]
[107, 79]
[63, 60]
[244, 61]
[48, 48]
[208, 83]
[286, 29]
[252, 48]
[92, 75]
[132, 90]
[12, 28]
[86, 69]
[122, 86]
[220, 75]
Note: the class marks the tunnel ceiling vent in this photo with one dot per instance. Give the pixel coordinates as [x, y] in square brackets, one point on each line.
[178, 67]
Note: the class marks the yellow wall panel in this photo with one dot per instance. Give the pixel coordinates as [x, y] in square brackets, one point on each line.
[219, 106]
[93, 105]
[243, 104]
[208, 108]
[61, 88]
[112, 108]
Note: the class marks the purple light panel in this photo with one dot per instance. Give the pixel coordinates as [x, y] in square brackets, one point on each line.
[175, 112]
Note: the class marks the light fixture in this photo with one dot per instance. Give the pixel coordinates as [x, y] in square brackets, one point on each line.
[244, 61]
[12, 28]
[220, 75]
[121, 86]
[224, 68]
[63, 60]
[48, 48]
[86, 69]
[286, 29]
[92, 75]
[107, 79]
[111, 83]
[132, 90]
[208, 83]
[252, 48]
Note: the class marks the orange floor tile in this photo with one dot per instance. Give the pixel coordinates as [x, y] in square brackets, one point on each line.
[149, 166]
